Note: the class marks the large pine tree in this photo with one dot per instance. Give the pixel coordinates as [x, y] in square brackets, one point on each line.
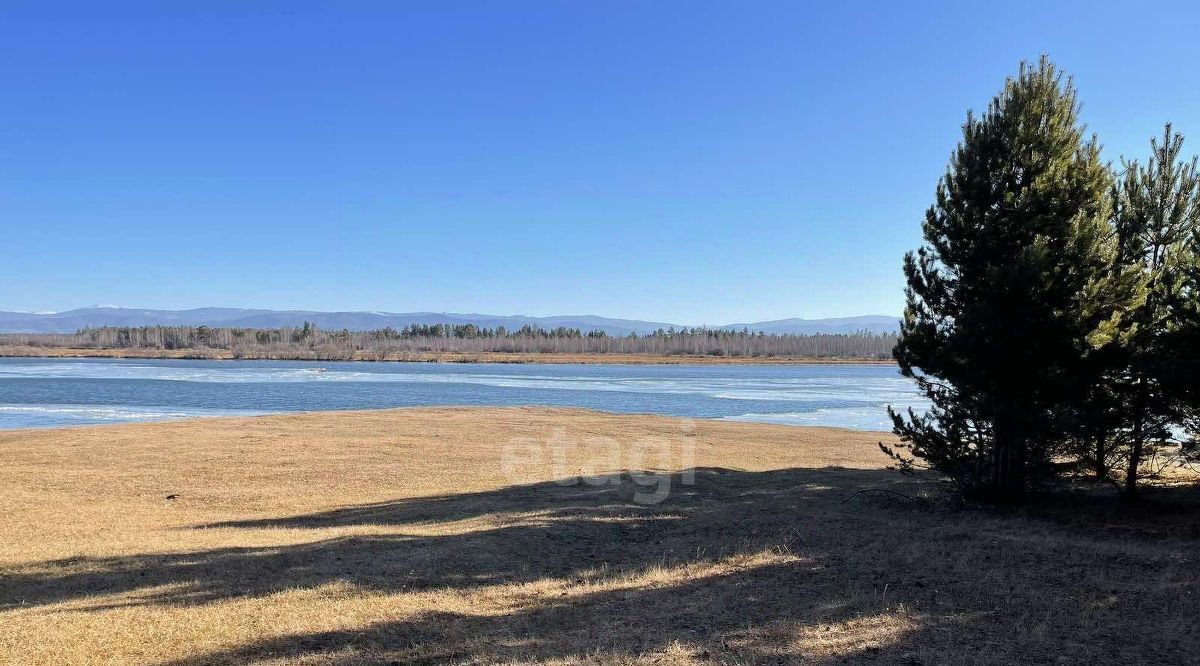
[996, 327]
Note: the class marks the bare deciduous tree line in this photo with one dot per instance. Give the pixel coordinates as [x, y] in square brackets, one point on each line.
[311, 342]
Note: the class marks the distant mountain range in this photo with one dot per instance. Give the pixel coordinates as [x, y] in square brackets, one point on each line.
[73, 320]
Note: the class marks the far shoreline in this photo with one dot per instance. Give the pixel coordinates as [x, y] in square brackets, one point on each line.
[435, 357]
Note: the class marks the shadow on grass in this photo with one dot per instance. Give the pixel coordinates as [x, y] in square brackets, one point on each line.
[876, 577]
[545, 530]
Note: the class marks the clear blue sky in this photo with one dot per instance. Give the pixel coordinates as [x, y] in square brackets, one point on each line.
[693, 162]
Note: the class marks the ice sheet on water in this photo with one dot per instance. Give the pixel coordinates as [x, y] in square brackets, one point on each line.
[808, 389]
[855, 418]
[853, 397]
[50, 416]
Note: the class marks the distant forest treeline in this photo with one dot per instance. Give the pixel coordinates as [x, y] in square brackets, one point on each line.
[345, 344]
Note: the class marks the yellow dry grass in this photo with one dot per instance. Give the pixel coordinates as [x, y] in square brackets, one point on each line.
[552, 536]
[438, 357]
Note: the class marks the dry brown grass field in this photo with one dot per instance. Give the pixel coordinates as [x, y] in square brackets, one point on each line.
[441, 357]
[496, 536]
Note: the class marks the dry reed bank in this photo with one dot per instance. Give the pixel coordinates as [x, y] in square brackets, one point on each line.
[492, 535]
[436, 357]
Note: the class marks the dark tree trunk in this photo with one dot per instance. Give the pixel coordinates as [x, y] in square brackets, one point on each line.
[1135, 456]
[1014, 492]
[1008, 464]
[1138, 439]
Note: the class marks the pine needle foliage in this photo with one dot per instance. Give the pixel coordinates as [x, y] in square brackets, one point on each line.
[1156, 220]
